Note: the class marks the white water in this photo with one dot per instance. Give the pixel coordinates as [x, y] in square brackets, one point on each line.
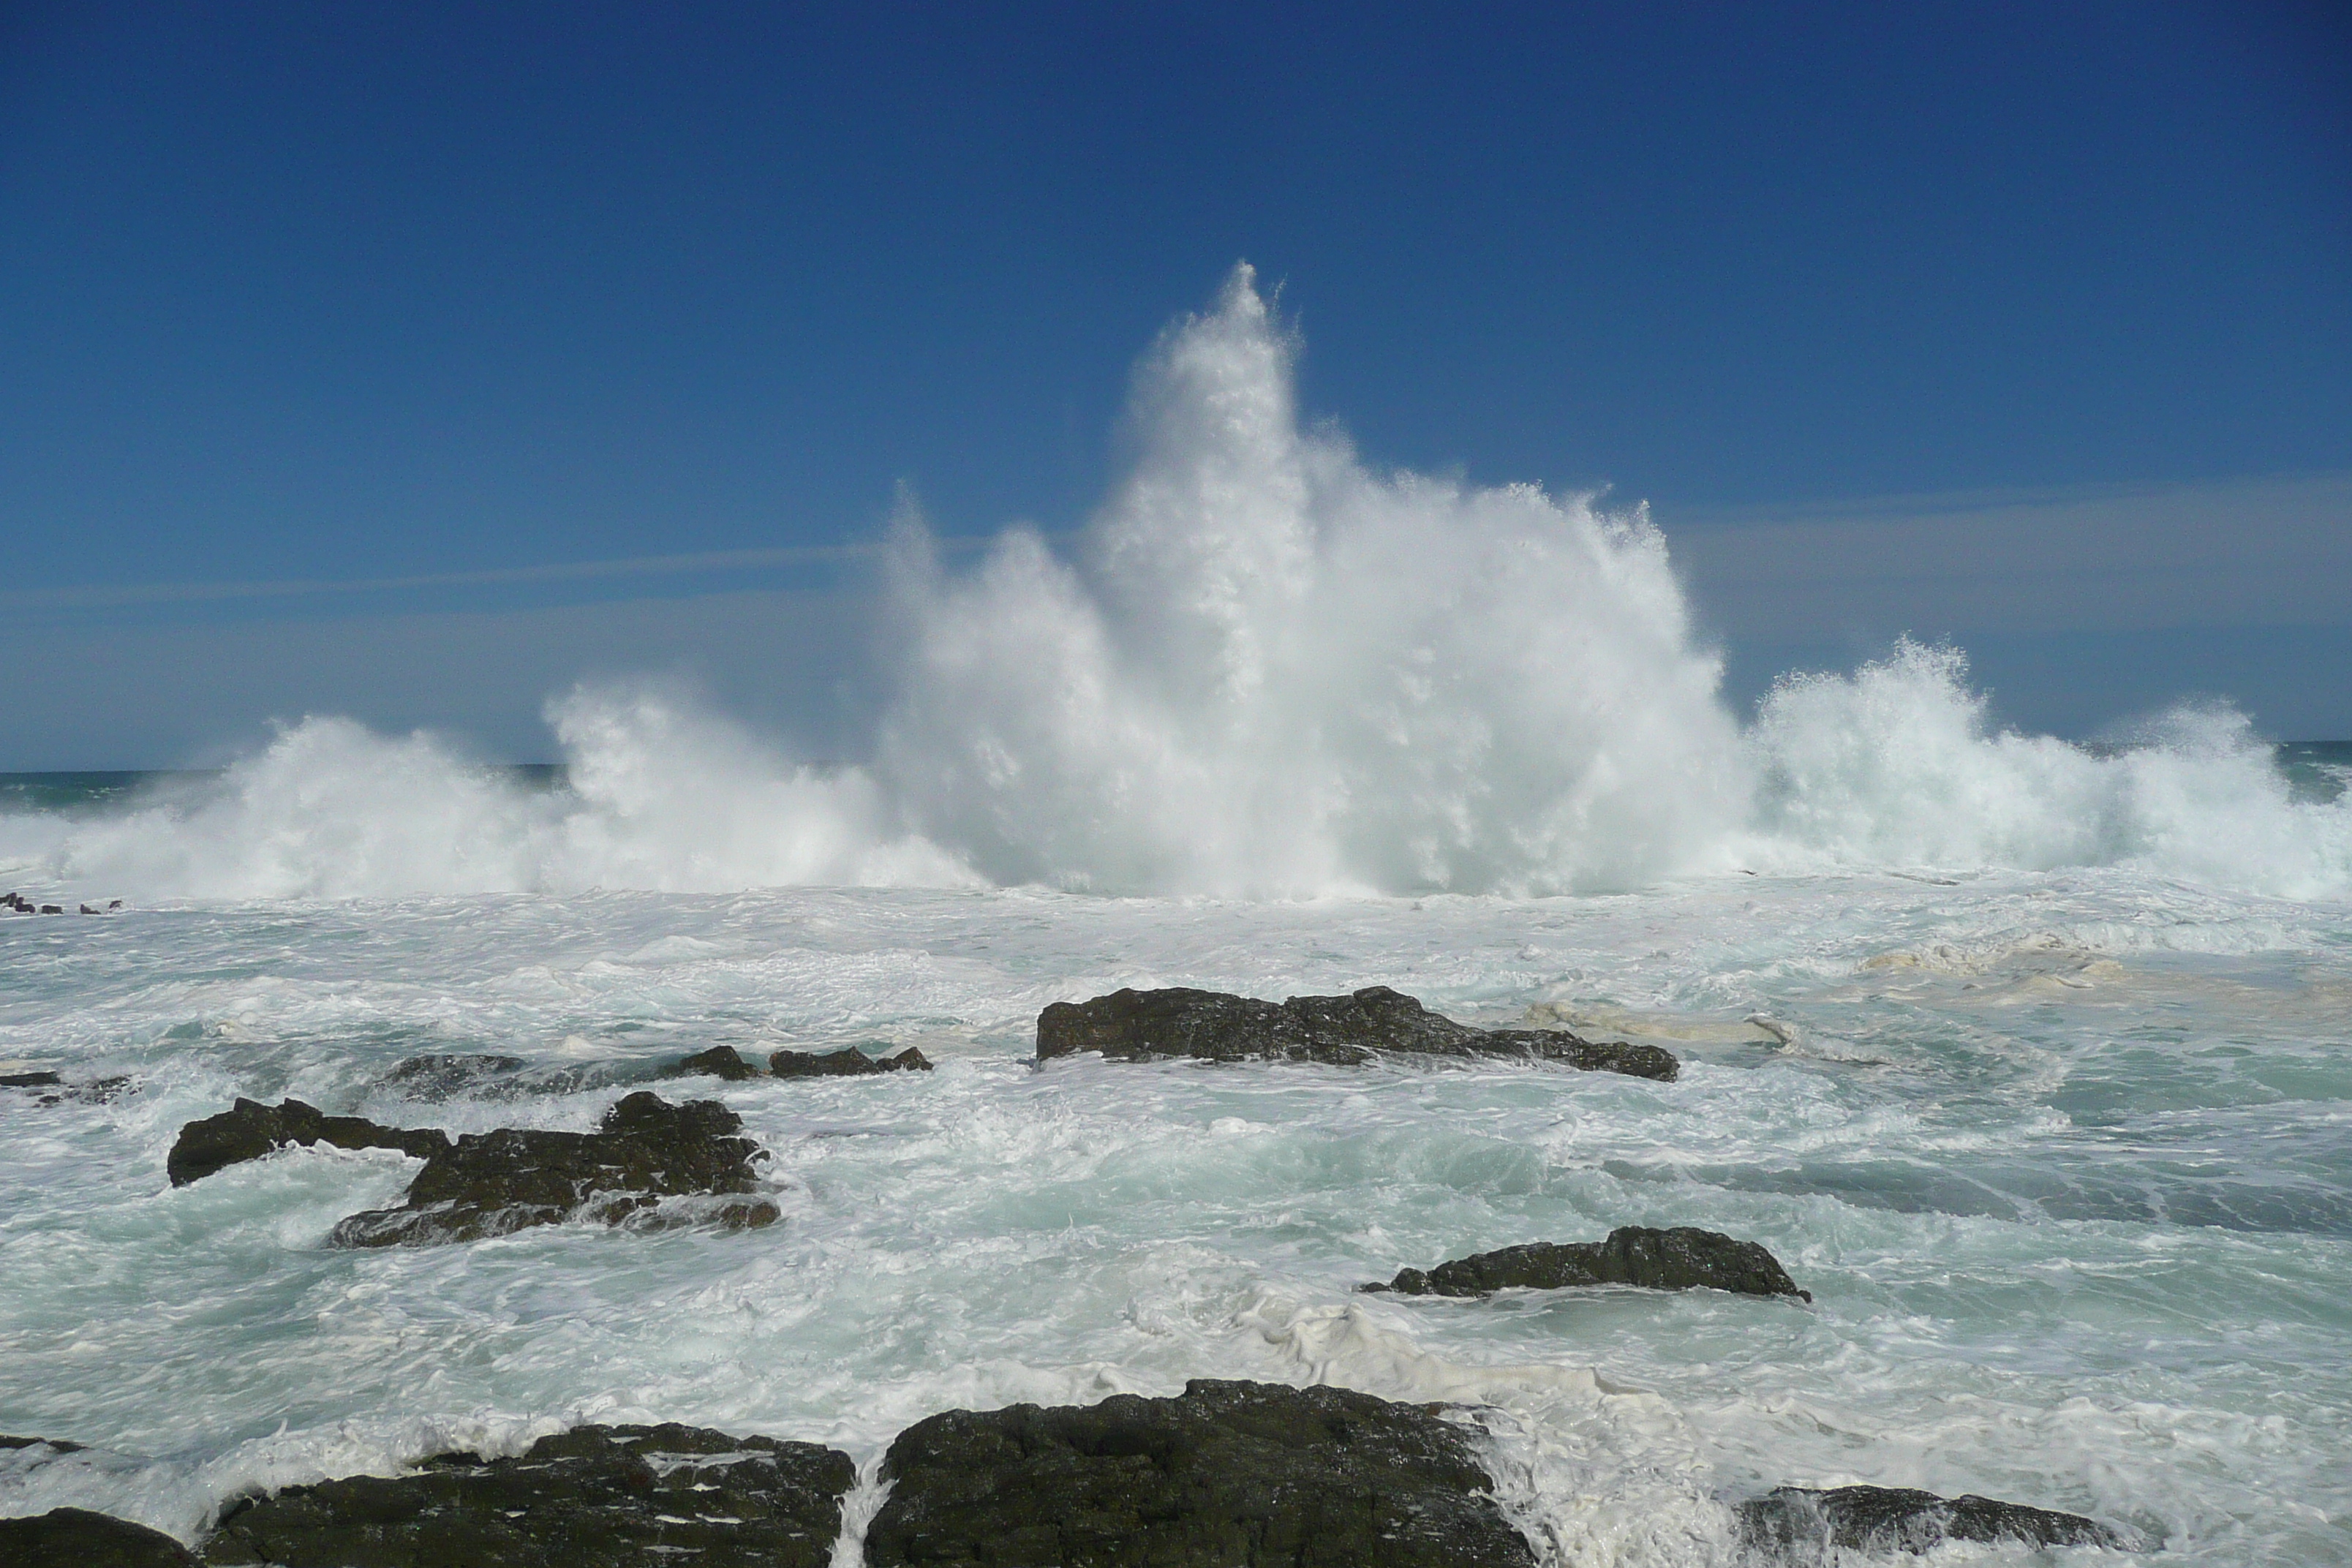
[2051, 1111]
[1268, 670]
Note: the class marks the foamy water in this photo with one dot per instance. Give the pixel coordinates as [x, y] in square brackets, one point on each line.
[2029, 1060]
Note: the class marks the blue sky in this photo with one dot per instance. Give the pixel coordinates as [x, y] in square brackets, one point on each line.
[436, 311]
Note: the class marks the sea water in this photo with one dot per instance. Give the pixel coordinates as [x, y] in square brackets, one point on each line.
[2030, 1060]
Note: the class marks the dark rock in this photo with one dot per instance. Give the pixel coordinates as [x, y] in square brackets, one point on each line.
[847, 1062]
[114, 904]
[95, 1092]
[53, 908]
[251, 1129]
[1683, 1258]
[1797, 1523]
[719, 1061]
[76, 1538]
[90, 909]
[490, 1184]
[59, 1444]
[29, 1079]
[1138, 1026]
[1231, 1475]
[594, 1497]
[436, 1078]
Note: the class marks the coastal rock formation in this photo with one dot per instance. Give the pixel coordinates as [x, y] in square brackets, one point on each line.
[595, 1497]
[1229, 1475]
[847, 1062]
[1683, 1258]
[719, 1061]
[490, 1184]
[1799, 1524]
[76, 1538]
[1138, 1025]
[251, 1129]
[437, 1076]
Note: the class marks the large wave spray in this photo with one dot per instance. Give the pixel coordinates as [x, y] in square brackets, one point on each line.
[1266, 669]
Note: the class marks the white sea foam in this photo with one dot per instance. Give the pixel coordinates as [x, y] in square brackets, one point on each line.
[1265, 669]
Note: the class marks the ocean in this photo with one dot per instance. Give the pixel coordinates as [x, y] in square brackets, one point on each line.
[2030, 1060]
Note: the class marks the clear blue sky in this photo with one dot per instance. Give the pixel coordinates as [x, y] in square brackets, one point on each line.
[344, 293]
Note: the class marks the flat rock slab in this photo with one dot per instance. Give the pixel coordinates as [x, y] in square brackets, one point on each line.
[76, 1538]
[1229, 1475]
[849, 1062]
[491, 1184]
[251, 1129]
[1345, 1031]
[1799, 1524]
[595, 1497]
[1683, 1258]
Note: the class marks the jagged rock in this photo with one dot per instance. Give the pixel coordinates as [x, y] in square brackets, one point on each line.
[719, 1061]
[1683, 1258]
[1231, 1475]
[594, 1497]
[59, 1444]
[76, 1538]
[1138, 1026]
[847, 1062]
[439, 1077]
[1798, 1523]
[251, 1129]
[490, 1184]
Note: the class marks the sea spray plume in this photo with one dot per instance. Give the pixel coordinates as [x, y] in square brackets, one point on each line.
[329, 809]
[673, 797]
[665, 795]
[1270, 671]
[1895, 764]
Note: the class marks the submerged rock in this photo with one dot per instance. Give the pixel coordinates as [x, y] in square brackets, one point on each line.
[1229, 1475]
[1798, 1523]
[251, 1129]
[1683, 1258]
[1138, 1025]
[847, 1062]
[77, 1538]
[719, 1061]
[648, 1149]
[594, 1497]
[437, 1076]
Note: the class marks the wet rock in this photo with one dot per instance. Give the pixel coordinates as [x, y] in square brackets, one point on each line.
[76, 1538]
[647, 1150]
[439, 1077]
[29, 1081]
[1800, 1524]
[849, 1062]
[251, 1129]
[594, 1497]
[1231, 1475]
[1683, 1258]
[59, 1444]
[1138, 1025]
[719, 1061]
[53, 908]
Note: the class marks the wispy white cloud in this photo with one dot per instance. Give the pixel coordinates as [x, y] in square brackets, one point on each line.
[2262, 552]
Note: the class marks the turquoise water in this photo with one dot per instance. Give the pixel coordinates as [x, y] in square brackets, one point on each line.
[2065, 1158]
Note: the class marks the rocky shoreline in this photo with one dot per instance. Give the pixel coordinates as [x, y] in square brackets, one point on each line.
[1226, 1474]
